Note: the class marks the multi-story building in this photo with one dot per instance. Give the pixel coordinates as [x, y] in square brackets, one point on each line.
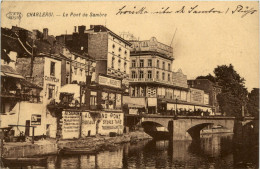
[102, 112]
[153, 84]
[110, 51]
[21, 100]
[213, 89]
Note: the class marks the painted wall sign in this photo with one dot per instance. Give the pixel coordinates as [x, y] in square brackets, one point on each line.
[91, 124]
[111, 122]
[51, 79]
[36, 119]
[206, 99]
[88, 124]
[197, 96]
[71, 124]
[109, 82]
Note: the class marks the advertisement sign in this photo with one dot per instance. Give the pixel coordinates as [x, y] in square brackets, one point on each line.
[88, 124]
[111, 122]
[206, 98]
[109, 82]
[71, 124]
[197, 95]
[36, 119]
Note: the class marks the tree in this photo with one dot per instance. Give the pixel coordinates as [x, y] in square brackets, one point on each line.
[234, 94]
[253, 102]
[209, 77]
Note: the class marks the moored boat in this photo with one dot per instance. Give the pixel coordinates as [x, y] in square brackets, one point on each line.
[32, 160]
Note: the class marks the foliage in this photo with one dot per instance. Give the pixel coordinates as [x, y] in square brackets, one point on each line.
[253, 102]
[234, 93]
[209, 77]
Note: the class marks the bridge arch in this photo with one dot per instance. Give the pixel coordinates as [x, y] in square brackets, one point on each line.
[154, 129]
[194, 131]
[189, 128]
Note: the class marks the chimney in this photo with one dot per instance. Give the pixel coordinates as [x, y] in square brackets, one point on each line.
[81, 29]
[35, 34]
[92, 26]
[75, 29]
[23, 35]
[45, 33]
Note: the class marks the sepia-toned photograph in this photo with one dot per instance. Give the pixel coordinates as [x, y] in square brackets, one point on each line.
[129, 84]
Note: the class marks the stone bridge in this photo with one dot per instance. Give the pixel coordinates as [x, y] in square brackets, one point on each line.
[184, 127]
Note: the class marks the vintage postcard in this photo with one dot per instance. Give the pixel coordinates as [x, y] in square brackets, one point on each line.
[121, 84]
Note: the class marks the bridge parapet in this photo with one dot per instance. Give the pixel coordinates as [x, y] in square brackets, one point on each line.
[188, 127]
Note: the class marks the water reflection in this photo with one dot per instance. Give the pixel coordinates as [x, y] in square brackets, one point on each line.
[212, 151]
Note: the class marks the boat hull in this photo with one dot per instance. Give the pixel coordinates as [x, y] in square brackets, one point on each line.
[70, 151]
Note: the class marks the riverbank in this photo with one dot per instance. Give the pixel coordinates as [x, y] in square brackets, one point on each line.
[51, 146]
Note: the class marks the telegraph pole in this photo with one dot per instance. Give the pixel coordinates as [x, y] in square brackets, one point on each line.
[32, 58]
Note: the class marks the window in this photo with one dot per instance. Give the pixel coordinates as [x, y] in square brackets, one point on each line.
[169, 78]
[119, 64]
[141, 74]
[81, 72]
[133, 74]
[51, 91]
[93, 98]
[113, 62]
[75, 71]
[149, 62]
[169, 66]
[133, 63]
[149, 74]
[125, 66]
[113, 46]
[125, 52]
[141, 63]
[67, 79]
[163, 65]
[158, 64]
[52, 71]
[157, 75]
[133, 91]
[119, 49]
[163, 74]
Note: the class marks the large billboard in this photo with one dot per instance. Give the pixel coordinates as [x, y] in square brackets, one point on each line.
[197, 96]
[91, 123]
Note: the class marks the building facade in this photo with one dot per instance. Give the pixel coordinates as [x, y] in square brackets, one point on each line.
[211, 88]
[154, 85]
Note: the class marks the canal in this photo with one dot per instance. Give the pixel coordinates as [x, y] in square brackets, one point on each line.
[212, 151]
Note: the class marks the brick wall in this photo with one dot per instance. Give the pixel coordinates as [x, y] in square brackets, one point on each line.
[23, 67]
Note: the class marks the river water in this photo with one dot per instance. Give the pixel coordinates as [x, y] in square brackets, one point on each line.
[212, 151]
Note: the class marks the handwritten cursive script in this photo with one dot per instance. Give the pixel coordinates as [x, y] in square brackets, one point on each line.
[196, 9]
[244, 10]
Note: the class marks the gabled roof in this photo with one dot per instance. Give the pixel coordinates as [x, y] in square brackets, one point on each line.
[8, 71]
[101, 28]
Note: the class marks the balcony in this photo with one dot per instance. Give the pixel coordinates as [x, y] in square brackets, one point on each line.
[21, 96]
[145, 80]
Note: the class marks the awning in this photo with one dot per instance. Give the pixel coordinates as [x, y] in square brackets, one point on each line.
[2, 74]
[14, 75]
[29, 84]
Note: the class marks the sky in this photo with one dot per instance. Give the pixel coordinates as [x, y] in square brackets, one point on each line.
[212, 34]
